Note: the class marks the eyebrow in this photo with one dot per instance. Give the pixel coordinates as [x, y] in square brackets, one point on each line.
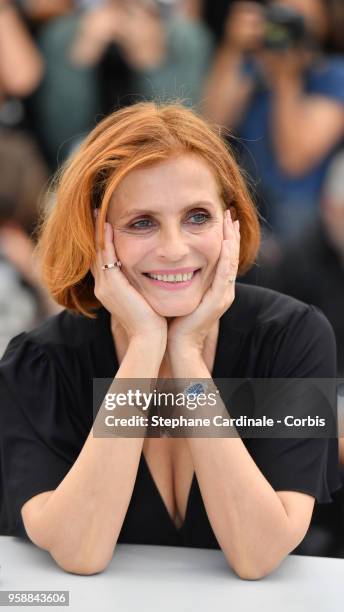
[145, 211]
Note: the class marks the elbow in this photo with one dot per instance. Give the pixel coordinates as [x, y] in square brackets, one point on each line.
[253, 569]
[81, 567]
[85, 561]
[246, 571]
[72, 565]
[250, 572]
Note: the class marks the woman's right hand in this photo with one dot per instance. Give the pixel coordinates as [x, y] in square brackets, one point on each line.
[128, 307]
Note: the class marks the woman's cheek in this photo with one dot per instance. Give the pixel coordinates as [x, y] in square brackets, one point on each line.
[128, 250]
[214, 245]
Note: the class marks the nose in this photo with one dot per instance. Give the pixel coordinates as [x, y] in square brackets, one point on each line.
[172, 244]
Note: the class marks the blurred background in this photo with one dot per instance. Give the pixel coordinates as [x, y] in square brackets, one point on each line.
[270, 72]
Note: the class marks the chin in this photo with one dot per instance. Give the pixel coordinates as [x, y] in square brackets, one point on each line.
[176, 310]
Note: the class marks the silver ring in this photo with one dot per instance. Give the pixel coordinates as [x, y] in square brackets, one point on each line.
[116, 264]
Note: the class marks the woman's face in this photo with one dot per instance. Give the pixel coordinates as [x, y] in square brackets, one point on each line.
[168, 219]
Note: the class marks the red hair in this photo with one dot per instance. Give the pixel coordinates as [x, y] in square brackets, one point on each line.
[134, 136]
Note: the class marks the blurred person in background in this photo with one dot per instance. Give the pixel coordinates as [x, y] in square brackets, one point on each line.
[163, 42]
[23, 175]
[23, 300]
[214, 15]
[22, 171]
[66, 101]
[21, 65]
[271, 83]
[103, 54]
[311, 269]
[336, 39]
[312, 266]
[40, 11]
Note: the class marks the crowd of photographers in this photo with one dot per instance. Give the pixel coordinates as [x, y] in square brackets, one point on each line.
[272, 72]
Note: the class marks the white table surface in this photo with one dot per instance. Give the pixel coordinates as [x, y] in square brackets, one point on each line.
[164, 579]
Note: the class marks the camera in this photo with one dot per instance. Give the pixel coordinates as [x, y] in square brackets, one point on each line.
[285, 28]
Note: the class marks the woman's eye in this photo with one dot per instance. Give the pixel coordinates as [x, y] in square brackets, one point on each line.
[201, 218]
[137, 226]
[146, 224]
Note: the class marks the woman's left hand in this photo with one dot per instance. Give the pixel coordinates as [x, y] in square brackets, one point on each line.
[190, 331]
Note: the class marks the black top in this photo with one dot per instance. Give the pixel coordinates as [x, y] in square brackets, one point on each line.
[304, 261]
[46, 409]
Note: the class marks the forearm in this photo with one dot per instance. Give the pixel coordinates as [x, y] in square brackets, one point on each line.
[81, 520]
[254, 542]
[21, 66]
[227, 91]
[80, 523]
[247, 516]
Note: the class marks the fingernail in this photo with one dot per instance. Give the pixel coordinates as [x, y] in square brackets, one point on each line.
[237, 223]
[95, 213]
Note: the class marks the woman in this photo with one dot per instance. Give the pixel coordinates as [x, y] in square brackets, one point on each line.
[163, 182]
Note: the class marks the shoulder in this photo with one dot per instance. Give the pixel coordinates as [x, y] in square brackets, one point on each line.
[286, 336]
[68, 328]
[60, 340]
[256, 306]
[54, 365]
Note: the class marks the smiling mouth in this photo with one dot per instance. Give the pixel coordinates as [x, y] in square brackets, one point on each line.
[172, 279]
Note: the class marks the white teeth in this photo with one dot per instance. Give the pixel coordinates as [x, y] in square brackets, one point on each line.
[172, 278]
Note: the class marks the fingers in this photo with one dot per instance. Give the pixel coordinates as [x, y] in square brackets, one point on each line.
[107, 254]
[96, 262]
[229, 258]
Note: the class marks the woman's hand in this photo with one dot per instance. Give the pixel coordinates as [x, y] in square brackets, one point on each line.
[190, 331]
[120, 298]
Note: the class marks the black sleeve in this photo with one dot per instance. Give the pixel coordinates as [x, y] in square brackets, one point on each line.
[305, 349]
[39, 440]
